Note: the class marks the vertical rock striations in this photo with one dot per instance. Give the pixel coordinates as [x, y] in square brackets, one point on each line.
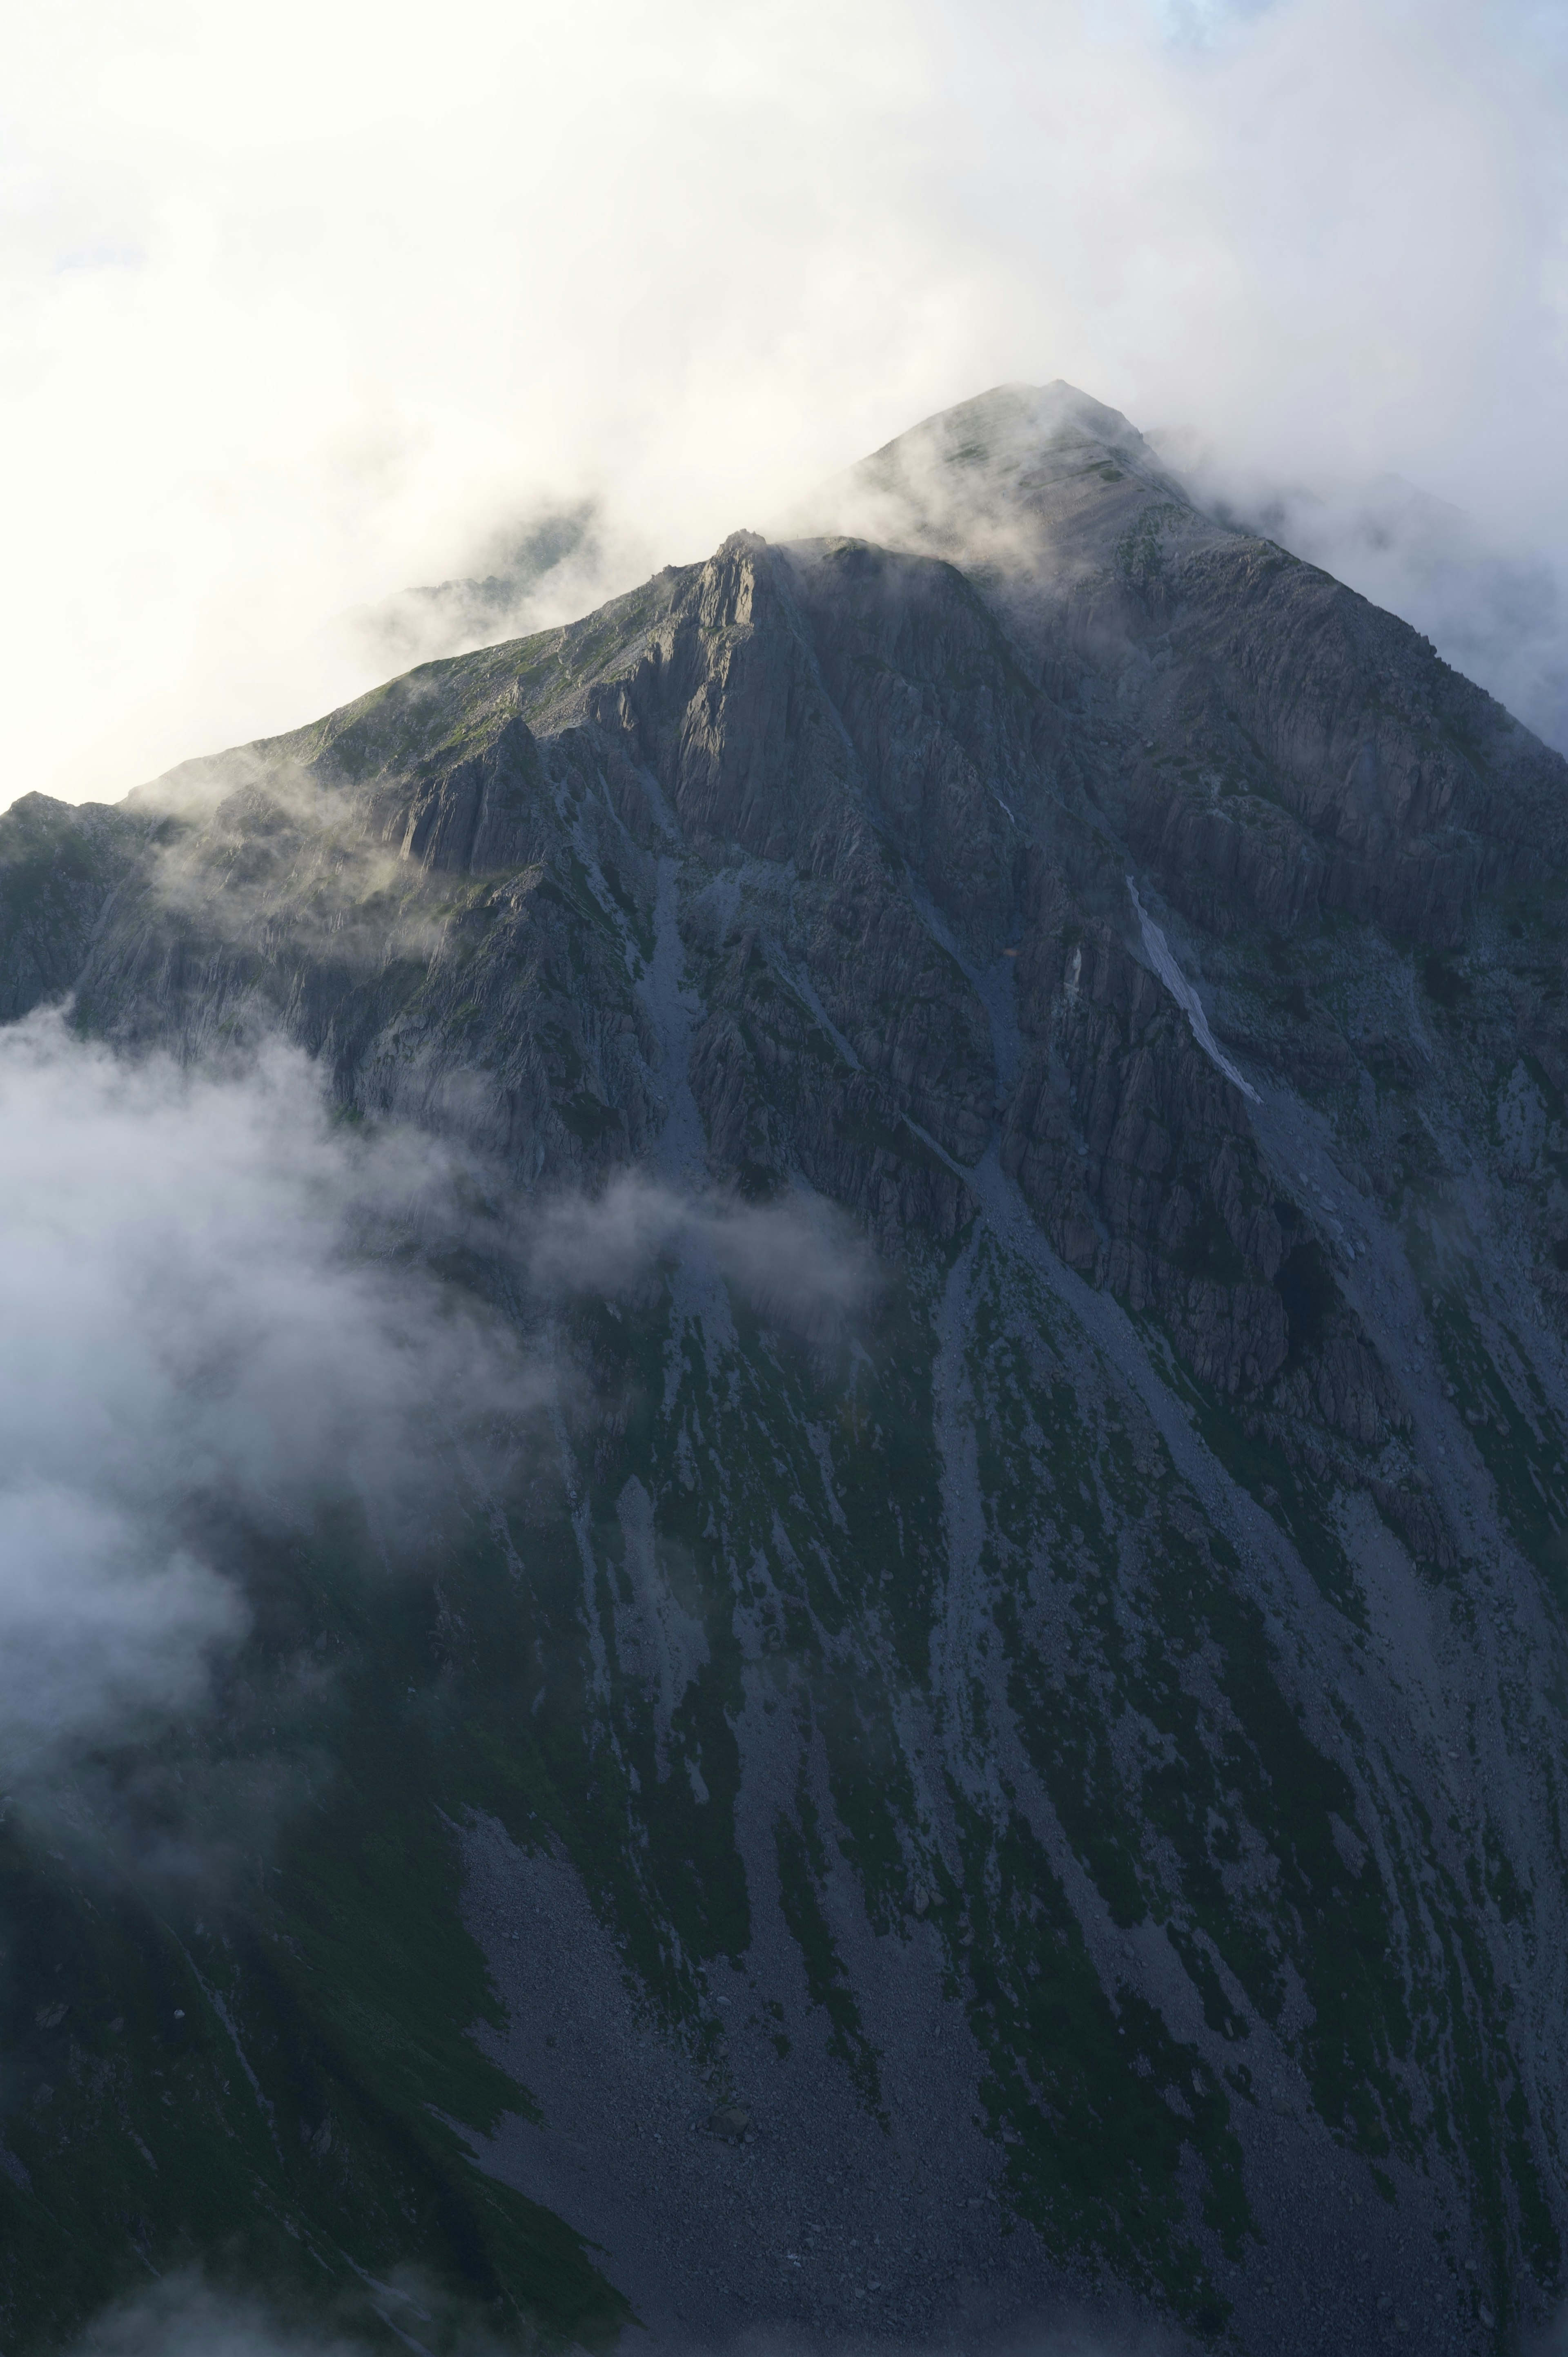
[1075, 1726]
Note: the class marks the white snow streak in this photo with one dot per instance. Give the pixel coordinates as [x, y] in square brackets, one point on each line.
[1158, 951]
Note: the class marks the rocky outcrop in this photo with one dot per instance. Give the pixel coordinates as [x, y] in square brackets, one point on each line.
[1310, 753]
[1164, 1578]
[1138, 1154]
[58, 868]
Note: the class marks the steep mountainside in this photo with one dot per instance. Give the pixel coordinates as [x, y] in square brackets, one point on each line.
[1034, 1788]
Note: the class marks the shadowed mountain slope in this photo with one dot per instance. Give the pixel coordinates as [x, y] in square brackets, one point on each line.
[1062, 1754]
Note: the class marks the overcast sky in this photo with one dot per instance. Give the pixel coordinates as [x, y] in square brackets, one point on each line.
[303, 304]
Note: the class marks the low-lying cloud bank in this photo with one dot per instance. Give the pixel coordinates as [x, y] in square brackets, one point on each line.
[219, 1300]
[186, 2316]
[202, 1305]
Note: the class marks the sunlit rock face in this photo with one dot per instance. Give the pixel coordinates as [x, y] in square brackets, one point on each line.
[1004, 1770]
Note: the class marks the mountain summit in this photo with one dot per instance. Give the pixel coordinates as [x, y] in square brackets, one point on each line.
[1001, 1760]
[1029, 463]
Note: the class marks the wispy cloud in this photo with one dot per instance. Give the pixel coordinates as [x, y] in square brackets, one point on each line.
[105, 1624]
[262, 845]
[188, 2316]
[547, 564]
[209, 1301]
[221, 1305]
[1494, 608]
[334, 324]
[796, 1258]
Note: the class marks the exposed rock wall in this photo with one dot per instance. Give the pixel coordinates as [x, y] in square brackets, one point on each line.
[1165, 1579]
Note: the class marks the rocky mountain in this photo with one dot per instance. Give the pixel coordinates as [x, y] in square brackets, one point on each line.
[1012, 1770]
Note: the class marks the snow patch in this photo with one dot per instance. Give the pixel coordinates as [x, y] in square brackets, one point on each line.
[1158, 952]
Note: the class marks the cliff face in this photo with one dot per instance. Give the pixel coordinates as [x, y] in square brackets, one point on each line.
[1075, 1747]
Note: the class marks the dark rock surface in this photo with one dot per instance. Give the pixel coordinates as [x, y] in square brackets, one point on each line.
[1072, 1764]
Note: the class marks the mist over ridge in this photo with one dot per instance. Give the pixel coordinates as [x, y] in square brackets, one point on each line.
[1493, 612]
[248, 404]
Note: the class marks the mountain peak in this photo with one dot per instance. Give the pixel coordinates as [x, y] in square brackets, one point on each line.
[1019, 480]
[1016, 421]
[1015, 1106]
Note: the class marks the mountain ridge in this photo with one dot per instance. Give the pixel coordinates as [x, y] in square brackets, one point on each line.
[1190, 1493]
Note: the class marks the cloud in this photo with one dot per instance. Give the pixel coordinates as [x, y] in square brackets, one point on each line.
[272, 846]
[188, 2316]
[1497, 612]
[99, 1625]
[221, 1307]
[214, 1306]
[296, 322]
[185, 2317]
[550, 564]
[797, 1259]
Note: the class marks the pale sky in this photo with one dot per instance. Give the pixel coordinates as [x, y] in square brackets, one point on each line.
[304, 305]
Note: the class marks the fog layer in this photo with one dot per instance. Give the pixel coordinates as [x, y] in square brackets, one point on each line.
[199, 1306]
[215, 1294]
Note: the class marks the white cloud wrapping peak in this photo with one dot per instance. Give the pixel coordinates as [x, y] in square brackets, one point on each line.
[299, 312]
